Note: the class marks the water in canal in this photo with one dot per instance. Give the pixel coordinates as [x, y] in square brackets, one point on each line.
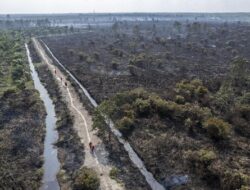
[51, 164]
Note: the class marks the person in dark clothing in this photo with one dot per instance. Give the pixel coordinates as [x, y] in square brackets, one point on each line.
[92, 149]
[90, 145]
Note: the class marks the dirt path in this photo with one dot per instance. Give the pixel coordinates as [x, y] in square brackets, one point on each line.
[83, 126]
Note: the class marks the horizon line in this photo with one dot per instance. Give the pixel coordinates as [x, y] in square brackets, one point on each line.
[132, 12]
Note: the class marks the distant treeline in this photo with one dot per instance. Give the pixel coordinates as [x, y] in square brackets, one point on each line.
[45, 20]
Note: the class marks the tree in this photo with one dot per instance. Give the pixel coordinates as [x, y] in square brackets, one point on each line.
[177, 25]
[71, 29]
[115, 27]
[136, 30]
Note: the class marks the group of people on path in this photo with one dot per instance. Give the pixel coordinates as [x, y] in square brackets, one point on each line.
[65, 83]
[91, 146]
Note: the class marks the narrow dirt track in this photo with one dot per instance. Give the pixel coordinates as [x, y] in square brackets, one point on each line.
[82, 124]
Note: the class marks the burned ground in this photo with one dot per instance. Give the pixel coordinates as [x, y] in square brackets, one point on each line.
[152, 55]
[175, 130]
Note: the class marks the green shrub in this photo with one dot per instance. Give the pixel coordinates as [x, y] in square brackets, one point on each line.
[98, 120]
[206, 156]
[121, 99]
[202, 157]
[21, 85]
[17, 73]
[178, 111]
[167, 108]
[110, 108]
[200, 161]
[245, 99]
[189, 123]
[143, 107]
[139, 93]
[17, 61]
[138, 60]
[191, 91]
[243, 111]
[117, 52]
[201, 91]
[125, 125]
[217, 128]
[9, 91]
[86, 179]
[196, 82]
[129, 113]
[162, 107]
[114, 173]
[196, 112]
[184, 89]
[179, 99]
[90, 60]
[223, 99]
[82, 56]
[245, 187]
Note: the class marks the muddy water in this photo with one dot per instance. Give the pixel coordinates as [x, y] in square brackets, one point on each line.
[51, 164]
[153, 183]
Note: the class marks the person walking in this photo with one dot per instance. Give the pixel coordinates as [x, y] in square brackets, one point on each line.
[92, 149]
[90, 145]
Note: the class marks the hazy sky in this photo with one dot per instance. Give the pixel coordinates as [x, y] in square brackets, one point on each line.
[87, 6]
